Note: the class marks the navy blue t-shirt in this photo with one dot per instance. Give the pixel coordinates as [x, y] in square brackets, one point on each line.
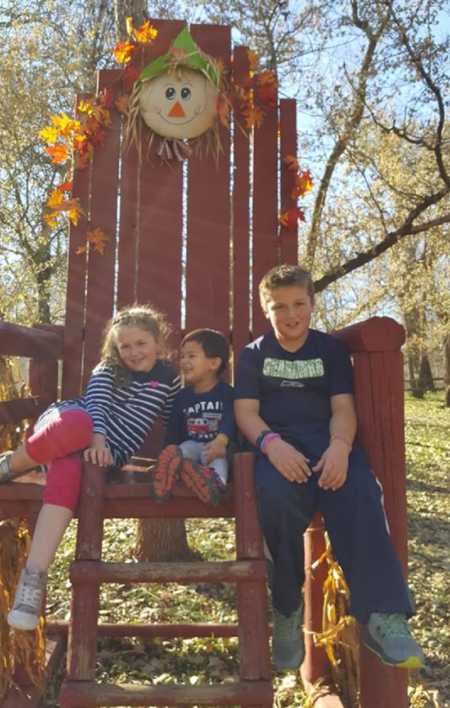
[294, 388]
[201, 416]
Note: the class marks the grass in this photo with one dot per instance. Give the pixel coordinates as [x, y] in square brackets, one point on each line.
[209, 660]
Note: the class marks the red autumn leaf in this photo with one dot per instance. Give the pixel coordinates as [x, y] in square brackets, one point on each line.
[121, 103]
[65, 187]
[289, 218]
[266, 88]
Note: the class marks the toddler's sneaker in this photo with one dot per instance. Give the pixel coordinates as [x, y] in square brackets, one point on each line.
[27, 606]
[390, 638]
[203, 481]
[288, 647]
[165, 473]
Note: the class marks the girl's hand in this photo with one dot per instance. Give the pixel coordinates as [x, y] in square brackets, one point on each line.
[288, 461]
[333, 465]
[98, 453]
[214, 449]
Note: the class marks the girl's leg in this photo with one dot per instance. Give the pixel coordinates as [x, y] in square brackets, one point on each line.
[59, 432]
[60, 501]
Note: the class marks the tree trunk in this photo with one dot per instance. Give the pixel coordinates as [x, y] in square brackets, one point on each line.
[447, 370]
[426, 382]
[128, 8]
[163, 540]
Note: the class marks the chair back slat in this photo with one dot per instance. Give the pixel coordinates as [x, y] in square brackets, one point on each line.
[191, 238]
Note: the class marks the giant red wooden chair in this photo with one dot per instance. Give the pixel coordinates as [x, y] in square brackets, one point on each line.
[217, 252]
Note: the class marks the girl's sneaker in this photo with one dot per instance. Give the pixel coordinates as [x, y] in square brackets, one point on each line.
[165, 473]
[6, 473]
[203, 481]
[27, 607]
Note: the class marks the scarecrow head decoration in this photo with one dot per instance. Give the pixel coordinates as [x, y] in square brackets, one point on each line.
[176, 96]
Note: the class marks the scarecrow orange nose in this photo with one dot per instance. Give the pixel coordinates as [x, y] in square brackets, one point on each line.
[177, 111]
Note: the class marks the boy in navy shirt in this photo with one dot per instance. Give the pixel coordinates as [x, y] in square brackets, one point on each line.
[202, 421]
[294, 403]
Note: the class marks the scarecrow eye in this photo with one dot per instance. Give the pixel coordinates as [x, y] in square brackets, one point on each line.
[170, 93]
[186, 93]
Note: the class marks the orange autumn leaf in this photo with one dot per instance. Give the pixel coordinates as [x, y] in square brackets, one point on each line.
[223, 110]
[123, 52]
[253, 116]
[121, 103]
[59, 153]
[303, 184]
[289, 218]
[291, 163]
[98, 239]
[146, 33]
[80, 250]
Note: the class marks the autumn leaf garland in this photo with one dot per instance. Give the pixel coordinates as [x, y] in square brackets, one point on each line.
[71, 142]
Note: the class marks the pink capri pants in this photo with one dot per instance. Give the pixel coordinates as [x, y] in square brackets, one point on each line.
[58, 439]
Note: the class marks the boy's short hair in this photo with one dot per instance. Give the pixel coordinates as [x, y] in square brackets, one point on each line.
[282, 276]
[213, 343]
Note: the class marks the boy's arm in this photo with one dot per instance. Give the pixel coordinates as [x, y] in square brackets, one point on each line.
[283, 456]
[333, 464]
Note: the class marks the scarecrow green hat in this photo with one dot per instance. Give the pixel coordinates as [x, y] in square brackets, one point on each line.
[183, 52]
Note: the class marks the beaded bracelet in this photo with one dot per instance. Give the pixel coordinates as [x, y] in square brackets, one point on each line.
[266, 440]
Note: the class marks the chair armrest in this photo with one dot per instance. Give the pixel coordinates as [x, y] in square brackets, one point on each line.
[32, 342]
[377, 334]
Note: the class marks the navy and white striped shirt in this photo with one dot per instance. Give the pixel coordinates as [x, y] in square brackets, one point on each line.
[126, 414]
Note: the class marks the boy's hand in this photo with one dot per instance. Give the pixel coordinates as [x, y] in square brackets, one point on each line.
[333, 465]
[214, 449]
[98, 453]
[288, 461]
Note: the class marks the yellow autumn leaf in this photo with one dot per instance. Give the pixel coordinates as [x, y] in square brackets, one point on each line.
[49, 135]
[55, 199]
[146, 33]
[65, 125]
[51, 219]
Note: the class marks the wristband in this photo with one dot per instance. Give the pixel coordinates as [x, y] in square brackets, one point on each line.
[261, 437]
[267, 439]
[342, 439]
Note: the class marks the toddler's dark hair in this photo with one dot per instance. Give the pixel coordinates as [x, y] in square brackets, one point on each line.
[213, 343]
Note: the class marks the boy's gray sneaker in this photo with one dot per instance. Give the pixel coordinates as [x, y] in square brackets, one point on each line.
[390, 638]
[288, 647]
[27, 606]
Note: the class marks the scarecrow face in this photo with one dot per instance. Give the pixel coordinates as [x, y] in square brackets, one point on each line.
[179, 104]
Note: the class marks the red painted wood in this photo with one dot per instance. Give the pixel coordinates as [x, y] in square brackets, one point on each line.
[315, 664]
[377, 334]
[82, 644]
[129, 228]
[24, 694]
[18, 409]
[241, 216]
[43, 380]
[265, 209]
[160, 234]
[208, 222]
[75, 294]
[249, 543]
[16, 340]
[288, 146]
[89, 571]
[244, 693]
[167, 631]
[101, 267]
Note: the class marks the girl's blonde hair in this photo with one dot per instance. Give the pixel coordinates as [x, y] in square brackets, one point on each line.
[145, 317]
